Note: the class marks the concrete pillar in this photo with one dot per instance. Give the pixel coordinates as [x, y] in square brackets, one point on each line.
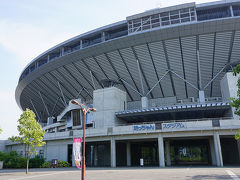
[167, 149]
[231, 10]
[113, 152]
[229, 89]
[238, 145]
[95, 156]
[201, 96]
[128, 154]
[161, 151]
[144, 101]
[103, 36]
[218, 151]
[45, 151]
[213, 155]
[81, 44]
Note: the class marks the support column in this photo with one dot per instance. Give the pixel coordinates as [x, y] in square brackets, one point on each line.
[128, 154]
[218, 150]
[161, 151]
[113, 152]
[95, 156]
[201, 96]
[144, 101]
[238, 145]
[167, 149]
[213, 154]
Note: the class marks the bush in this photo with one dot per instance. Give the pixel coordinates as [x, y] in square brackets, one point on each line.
[12, 160]
[36, 162]
[46, 164]
[63, 164]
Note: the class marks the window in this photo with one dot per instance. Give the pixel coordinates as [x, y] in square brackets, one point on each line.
[91, 40]
[116, 33]
[76, 114]
[54, 55]
[32, 68]
[213, 13]
[236, 10]
[41, 62]
[41, 153]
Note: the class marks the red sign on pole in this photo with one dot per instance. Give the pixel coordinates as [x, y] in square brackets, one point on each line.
[77, 152]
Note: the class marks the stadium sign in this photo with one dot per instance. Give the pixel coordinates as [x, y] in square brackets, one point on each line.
[144, 127]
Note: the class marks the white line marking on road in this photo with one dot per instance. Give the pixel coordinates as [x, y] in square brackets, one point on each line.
[28, 177]
[233, 176]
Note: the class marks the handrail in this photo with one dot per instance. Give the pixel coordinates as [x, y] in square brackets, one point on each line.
[172, 121]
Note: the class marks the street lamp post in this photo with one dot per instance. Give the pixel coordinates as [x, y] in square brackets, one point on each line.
[85, 111]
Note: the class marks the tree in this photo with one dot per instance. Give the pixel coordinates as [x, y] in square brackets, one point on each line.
[235, 102]
[0, 130]
[30, 133]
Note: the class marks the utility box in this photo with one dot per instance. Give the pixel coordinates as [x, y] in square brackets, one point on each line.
[141, 162]
[1, 164]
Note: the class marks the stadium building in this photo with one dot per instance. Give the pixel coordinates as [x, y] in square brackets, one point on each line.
[160, 82]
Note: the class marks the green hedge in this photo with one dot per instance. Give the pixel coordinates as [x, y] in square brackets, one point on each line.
[13, 160]
[63, 164]
[36, 162]
[48, 164]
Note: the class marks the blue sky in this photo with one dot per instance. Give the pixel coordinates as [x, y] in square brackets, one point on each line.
[30, 27]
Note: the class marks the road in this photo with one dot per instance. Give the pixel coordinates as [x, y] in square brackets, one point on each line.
[178, 173]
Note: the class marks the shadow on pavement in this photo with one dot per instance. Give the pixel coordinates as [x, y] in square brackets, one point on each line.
[215, 176]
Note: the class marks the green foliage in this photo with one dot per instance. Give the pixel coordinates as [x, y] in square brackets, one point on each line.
[235, 102]
[30, 133]
[46, 164]
[36, 162]
[0, 130]
[63, 164]
[12, 160]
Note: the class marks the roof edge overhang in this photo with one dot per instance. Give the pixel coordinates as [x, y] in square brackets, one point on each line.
[134, 39]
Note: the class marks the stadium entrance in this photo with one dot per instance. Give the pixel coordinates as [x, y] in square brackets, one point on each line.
[190, 152]
[230, 151]
[129, 153]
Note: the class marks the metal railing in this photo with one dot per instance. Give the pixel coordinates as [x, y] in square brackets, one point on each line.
[172, 121]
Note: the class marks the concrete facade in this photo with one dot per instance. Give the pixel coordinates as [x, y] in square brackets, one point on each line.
[166, 97]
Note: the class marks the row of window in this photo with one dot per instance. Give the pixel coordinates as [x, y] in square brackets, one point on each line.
[213, 13]
[141, 24]
[181, 16]
[83, 43]
[162, 19]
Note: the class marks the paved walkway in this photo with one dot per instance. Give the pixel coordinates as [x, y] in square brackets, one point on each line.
[181, 173]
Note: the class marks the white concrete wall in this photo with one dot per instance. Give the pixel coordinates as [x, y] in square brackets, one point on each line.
[191, 126]
[2, 145]
[107, 101]
[57, 149]
[229, 88]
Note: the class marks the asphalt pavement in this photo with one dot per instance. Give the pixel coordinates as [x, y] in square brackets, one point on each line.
[172, 173]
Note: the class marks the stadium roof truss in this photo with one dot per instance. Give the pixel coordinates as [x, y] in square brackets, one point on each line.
[174, 61]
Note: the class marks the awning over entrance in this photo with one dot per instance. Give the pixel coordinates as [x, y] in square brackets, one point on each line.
[176, 112]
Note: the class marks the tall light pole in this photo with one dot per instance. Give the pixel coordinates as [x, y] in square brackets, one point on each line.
[85, 111]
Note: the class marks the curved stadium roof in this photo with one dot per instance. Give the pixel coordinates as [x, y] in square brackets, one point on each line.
[160, 46]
